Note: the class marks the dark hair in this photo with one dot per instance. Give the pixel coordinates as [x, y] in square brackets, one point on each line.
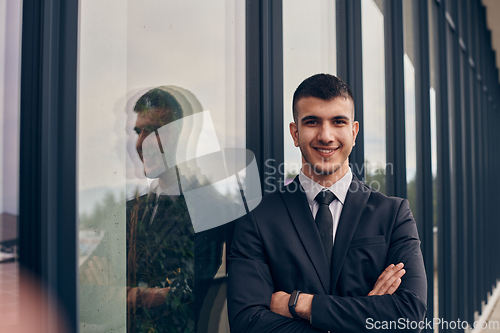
[159, 99]
[323, 86]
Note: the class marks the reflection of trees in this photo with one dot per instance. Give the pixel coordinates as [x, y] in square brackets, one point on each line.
[434, 198]
[290, 175]
[101, 212]
[159, 255]
[376, 177]
[412, 198]
[411, 190]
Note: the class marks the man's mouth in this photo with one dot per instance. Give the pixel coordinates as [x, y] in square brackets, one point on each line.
[326, 152]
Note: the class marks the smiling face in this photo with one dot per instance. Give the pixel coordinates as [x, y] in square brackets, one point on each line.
[325, 132]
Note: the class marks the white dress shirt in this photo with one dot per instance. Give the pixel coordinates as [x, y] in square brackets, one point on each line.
[340, 189]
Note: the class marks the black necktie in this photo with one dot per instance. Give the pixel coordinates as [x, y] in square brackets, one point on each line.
[324, 221]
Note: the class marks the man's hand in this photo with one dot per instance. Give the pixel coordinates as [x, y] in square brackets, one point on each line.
[146, 297]
[388, 282]
[279, 303]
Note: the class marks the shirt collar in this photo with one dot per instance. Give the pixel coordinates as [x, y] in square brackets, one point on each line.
[312, 188]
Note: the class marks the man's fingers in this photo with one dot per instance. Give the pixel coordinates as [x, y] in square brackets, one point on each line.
[387, 279]
[385, 287]
[394, 286]
[386, 274]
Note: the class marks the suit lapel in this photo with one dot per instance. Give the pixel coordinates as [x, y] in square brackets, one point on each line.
[300, 213]
[354, 204]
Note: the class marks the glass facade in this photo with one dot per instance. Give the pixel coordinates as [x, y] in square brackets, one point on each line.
[157, 90]
[410, 105]
[308, 48]
[434, 88]
[374, 108]
[10, 58]
[162, 87]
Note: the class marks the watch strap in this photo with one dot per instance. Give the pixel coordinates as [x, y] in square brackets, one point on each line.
[292, 303]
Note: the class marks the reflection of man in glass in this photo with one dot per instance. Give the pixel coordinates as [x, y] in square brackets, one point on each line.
[169, 267]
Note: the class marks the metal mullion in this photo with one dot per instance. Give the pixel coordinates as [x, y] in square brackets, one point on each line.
[48, 154]
[462, 23]
[479, 234]
[455, 165]
[468, 162]
[475, 117]
[469, 123]
[264, 90]
[350, 69]
[464, 207]
[443, 174]
[395, 93]
[424, 147]
[483, 69]
[490, 64]
[488, 219]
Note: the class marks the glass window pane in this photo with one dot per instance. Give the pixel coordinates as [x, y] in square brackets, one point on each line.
[161, 91]
[434, 104]
[374, 93]
[410, 106]
[308, 48]
[10, 62]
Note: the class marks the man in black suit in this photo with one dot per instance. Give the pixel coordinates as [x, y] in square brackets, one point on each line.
[326, 252]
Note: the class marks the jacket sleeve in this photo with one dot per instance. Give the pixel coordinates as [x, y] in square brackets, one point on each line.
[250, 286]
[405, 309]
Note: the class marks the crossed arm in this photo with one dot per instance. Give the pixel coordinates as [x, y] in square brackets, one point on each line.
[387, 283]
[255, 305]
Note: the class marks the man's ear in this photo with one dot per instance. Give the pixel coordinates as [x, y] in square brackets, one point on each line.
[355, 130]
[294, 132]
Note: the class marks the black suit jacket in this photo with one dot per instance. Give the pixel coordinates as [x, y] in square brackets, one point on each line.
[277, 247]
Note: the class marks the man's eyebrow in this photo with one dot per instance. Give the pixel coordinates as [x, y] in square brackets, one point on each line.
[306, 118]
[341, 118]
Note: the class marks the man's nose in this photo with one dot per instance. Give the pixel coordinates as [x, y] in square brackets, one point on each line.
[326, 134]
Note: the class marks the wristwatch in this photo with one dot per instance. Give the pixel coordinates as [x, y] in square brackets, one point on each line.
[292, 302]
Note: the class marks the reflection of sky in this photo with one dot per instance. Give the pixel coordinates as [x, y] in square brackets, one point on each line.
[129, 46]
[309, 48]
[373, 83]
[10, 56]
[411, 133]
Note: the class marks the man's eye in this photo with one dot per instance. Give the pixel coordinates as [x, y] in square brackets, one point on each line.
[339, 122]
[311, 122]
[137, 130]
